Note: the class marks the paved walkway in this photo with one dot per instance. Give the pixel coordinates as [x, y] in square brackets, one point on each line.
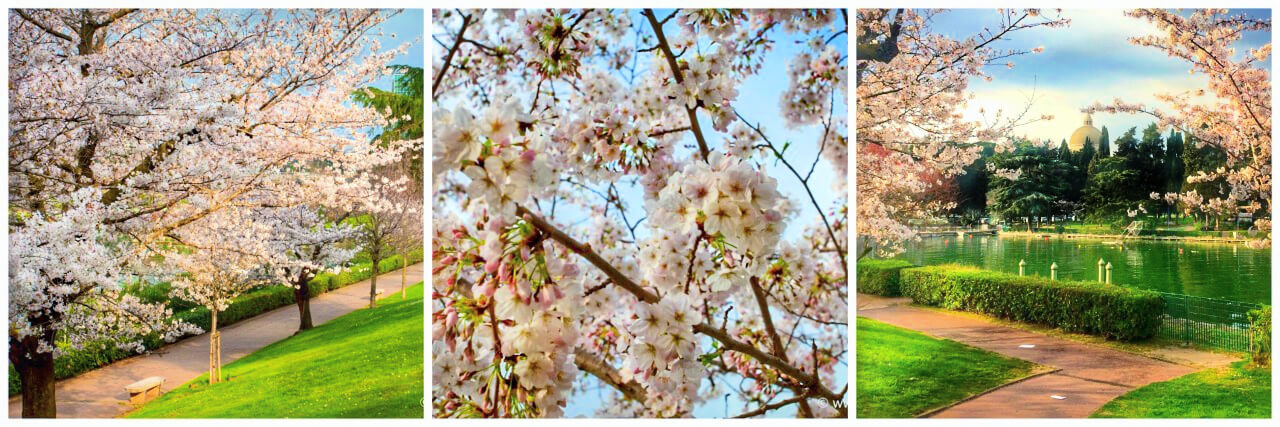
[100, 393]
[1089, 375]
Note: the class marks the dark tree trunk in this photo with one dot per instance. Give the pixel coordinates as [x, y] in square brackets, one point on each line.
[302, 295]
[35, 370]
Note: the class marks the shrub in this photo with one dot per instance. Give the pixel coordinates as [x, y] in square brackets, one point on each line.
[880, 277]
[1109, 311]
[1260, 335]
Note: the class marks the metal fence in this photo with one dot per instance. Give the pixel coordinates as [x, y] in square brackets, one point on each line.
[1209, 322]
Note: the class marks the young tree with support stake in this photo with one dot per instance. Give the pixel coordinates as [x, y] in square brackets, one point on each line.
[216, 260]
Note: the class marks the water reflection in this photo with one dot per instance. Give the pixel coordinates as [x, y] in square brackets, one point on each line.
[1228, 271]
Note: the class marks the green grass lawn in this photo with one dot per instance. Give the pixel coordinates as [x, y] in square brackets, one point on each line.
[1237, 391]
[903, 373]
[365, 364]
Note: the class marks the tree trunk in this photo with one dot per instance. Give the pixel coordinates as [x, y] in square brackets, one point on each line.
[35, 370]
[373, 280]
[302, 295]
[215, 351]
[404, 266]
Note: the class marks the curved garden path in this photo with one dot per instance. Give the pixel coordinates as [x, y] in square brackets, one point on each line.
[1088, 376]
[100, 393]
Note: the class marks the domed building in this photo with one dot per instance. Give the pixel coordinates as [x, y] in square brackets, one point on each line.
[1092, 134]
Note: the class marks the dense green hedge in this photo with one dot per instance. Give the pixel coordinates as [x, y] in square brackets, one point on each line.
[1260, 335]
[880, 276]
[75, 362]
[1109, 311]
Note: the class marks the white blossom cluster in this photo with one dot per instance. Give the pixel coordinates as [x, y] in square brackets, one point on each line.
[812, 78]
[664, 355]
[725, 197]
[65, 275]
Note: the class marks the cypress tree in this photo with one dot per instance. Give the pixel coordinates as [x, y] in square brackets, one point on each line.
[1104, 147]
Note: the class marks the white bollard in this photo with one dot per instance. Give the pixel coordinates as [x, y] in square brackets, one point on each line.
[1100, 263]
[1022, 266]
[1053, 271]
[1108, 273]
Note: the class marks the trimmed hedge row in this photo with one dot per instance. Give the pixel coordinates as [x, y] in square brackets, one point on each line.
[1260, 335]
[881, 276]
[1110, 311]
[75, 362]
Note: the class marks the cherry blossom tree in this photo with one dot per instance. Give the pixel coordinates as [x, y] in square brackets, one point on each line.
[216, 259]
[65, 275]
[1237, 116]
[547, 126]
[128, 126]
[390, 218]
[310, 244]
[912, 86]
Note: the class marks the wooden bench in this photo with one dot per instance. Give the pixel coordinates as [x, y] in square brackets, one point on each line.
[144, 390]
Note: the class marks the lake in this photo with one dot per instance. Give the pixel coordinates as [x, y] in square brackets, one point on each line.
[1213, 270]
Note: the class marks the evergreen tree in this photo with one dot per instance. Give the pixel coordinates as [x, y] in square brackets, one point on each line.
[1127, 144]
[971, 186]
[1038, 190]
[1078, 180]
[1150, 163]
[1175, 168]
[1112, 189]
[403, 107]
[1104, 146]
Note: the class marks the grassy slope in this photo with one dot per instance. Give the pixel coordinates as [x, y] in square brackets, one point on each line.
[365, 364]
[1237, 391]
[902, 373]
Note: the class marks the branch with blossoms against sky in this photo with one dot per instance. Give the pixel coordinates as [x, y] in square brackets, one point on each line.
[1237, 116]
[549, 126]
[912, 93]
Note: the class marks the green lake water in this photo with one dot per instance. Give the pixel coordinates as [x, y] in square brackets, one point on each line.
[1214, 270]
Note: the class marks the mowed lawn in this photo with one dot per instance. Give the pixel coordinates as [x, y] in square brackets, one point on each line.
[903, 373]
[1236, 391]
[365, 364]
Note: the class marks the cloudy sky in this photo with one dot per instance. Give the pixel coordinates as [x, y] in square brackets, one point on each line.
[1091, 60]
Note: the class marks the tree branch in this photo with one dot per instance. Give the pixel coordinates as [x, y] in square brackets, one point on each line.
[46, 29]
[805, 183]
[675, 70]
[435, 85]
[591, 364]
[810, 382]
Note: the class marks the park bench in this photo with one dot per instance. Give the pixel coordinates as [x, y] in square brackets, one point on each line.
[144, 390]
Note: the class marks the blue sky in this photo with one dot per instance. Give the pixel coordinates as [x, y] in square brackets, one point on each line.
[1090, 60]
[406, 27]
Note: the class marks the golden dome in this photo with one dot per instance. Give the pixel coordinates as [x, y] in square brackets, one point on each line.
[1076, 143]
